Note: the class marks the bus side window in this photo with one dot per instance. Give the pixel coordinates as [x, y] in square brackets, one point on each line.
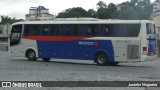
[93, 30]
[104, 30]
[148, 27]
[32, 30]
[26, 30]
[154, 29]
[83, 30]
[54, 30]
[45, 30]
[66, 30]
[75, 29]
[89, 30]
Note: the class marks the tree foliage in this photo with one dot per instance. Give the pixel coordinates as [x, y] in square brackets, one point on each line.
[8, 20]
[73, 12]
[101, 4]
[134, 9]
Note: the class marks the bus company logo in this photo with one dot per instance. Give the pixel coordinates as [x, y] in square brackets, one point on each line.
[93, 43]
[6, 84]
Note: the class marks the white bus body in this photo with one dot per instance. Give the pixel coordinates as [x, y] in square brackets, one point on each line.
[110, 41]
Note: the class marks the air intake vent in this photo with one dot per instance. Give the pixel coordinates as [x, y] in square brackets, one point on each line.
[132, 51]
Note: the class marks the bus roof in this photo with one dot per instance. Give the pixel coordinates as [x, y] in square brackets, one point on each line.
[97, 21]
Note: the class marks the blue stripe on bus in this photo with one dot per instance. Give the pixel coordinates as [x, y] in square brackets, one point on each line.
[76, 49]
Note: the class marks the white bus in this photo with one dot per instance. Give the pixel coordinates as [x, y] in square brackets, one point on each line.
[106, 42]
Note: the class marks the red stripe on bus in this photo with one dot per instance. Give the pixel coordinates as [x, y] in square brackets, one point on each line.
[55, 38]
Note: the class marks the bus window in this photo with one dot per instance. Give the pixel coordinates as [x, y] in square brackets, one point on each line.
[149, 28]
[104, 30]
[75, 30]
[54, 30]
[1, 30]
[124, 30]
[69, 30]
[154, 29]
[83, 30]
[15, 34]
[33, 30]
[46, 30]
[89, 30]
[26, 30]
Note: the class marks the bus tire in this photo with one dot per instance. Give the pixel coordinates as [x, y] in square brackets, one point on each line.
[31, 55]
[46, 59]
[101, 59]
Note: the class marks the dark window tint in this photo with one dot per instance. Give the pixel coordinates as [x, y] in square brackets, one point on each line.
[34, 30]
[1, 29]
[54, 30]
[89, 30]
[68, 30]
[15, 34]
[154, 29]
[46, 29]
[120, 30]
[104, 30]
[149, 28]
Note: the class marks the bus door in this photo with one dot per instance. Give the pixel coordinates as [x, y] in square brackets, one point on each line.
[15, 41]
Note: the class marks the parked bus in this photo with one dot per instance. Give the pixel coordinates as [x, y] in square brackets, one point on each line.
[106, 42]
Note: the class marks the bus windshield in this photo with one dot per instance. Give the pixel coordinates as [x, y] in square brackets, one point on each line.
[15, 34]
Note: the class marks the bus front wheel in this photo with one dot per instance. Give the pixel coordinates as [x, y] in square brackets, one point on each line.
[31, 55]
[101, 59]
[46, 59]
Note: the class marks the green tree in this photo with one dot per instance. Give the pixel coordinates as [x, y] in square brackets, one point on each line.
[7, 19]
[109, 12]
[112, 10]
[101, 4]
[136, 9]
[92, 13]
[102, 13]
[73, 12]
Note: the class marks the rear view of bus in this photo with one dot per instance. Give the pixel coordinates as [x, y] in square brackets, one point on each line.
[148, 42]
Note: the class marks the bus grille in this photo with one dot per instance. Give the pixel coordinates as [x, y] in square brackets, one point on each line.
[132, 51]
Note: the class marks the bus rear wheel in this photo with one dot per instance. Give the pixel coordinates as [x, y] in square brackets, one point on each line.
[101, 59]
[31, 55]
[46, 59]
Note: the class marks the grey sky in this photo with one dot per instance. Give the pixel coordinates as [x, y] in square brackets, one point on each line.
[18, 8]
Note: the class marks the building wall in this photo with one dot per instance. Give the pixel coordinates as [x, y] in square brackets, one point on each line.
[156, 7]
[4, 30]
[156, 20]
[38, 13]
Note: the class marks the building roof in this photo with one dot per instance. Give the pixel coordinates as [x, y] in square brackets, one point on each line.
[38, 8]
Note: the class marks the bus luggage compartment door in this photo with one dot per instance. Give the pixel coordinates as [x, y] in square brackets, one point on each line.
[133, 52]
[127, 53]
[120, 53]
